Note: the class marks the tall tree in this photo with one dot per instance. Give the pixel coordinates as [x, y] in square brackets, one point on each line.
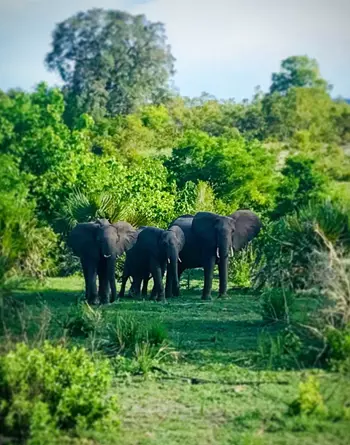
[110, 61]
[297, 71]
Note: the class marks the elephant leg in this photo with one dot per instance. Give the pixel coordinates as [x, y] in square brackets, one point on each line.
[136, 286]
[223, 271]
[208, 277]
[104, 288]
[90, 273]
[122, 288]
[145, 286]
[153, 293]
[158, 282]
[86, 279]
[169, 286]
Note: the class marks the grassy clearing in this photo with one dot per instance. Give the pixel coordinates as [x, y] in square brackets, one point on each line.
[217, 341]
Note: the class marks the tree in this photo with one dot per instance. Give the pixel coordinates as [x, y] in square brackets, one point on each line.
[300, 109]
[110, 61]
[297, 71]
[241, 173]
[300, 184]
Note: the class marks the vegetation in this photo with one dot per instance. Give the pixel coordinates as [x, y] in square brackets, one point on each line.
[52, 390]
[266, 365]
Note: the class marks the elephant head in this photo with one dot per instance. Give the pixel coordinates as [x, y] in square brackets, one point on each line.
[102, 238]
[172, 242]
[247, 227]
[215, 231]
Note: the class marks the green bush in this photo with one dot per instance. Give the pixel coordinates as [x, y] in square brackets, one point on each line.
[126, 332]
[82, 320]
[309, 400]
[52, 392]
[25, 245]
[242, 267]
[338, 341]
[281, 351]
[276, 304]
[288, 245]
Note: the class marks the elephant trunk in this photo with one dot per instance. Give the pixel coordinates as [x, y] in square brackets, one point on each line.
[223, 250]
[172, 281]
[111, 278]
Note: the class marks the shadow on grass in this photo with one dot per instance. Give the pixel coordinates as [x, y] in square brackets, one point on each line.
[218, 331]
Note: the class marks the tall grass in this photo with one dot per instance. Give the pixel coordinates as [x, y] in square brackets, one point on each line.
[288, 245]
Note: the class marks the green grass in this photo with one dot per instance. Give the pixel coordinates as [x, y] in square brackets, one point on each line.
[217, 341]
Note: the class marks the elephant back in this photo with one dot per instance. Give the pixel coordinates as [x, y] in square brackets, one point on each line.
[185, 223]
[148, 240]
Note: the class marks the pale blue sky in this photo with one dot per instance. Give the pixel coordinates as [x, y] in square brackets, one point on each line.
[224, 47]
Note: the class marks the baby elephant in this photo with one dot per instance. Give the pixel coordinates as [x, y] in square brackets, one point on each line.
[154, 251]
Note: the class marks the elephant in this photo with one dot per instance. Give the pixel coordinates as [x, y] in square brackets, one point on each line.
[98, 244]
[154, 251]
[210, 238]
[130, 261]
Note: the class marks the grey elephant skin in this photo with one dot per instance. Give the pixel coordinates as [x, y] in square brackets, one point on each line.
[210, 238]
[155, 251]
[98, 244]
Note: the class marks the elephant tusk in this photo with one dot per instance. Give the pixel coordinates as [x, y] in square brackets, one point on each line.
[231, 251]
[217, 253]
[180, 260]
[107, 256]
[169, 260]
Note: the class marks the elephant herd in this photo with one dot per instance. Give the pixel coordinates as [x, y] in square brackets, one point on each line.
[199, 241]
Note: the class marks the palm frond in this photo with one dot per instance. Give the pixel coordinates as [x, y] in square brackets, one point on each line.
[81, 208]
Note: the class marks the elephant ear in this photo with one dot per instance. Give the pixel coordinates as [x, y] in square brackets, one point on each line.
[247, 227]
[84, 237]
[127, 236]
[204, 227]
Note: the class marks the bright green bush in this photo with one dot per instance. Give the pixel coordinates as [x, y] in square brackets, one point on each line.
[25, 244]
[242, 267]
[53, 391]
[309, 400]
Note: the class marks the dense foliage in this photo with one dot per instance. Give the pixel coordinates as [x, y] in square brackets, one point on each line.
[50, 393]
[272, 154]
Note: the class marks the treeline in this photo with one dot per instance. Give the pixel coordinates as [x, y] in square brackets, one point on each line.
[146, 154]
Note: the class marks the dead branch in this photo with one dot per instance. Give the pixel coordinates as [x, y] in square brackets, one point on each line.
[196, 380]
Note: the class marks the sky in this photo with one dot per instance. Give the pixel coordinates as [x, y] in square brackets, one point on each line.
[223, 47]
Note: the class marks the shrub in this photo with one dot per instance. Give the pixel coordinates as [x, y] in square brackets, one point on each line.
[309, 400]
[338, 341]
[52, 391]
[126, 332]
[25, 246]
[242, 266]
[276, 304]
[82, 320]
[288, 245]
[280, 351]
[145, 359]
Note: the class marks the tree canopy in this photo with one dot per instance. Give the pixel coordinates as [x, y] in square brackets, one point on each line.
[297, 71]
[110, 61]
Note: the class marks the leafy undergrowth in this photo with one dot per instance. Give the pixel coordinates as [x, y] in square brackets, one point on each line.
[216, 390]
